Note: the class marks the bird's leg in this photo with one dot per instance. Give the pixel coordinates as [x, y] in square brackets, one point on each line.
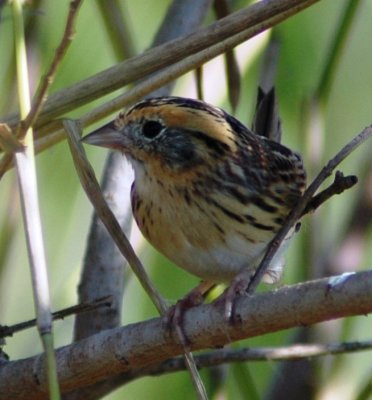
[236, 288]
[239, 287]
[174, 317]
[241, 284]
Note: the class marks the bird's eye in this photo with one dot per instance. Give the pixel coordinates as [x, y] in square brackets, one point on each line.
[151, 129]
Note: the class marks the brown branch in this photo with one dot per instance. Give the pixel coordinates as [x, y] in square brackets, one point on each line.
[144, 344]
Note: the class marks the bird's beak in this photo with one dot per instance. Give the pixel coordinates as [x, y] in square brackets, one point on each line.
[106, 136]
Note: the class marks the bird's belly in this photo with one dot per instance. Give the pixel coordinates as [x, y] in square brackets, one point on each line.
[220, 264]
[217, 261]
[200, 239]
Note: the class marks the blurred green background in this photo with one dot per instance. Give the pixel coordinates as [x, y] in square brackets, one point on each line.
[317, 132]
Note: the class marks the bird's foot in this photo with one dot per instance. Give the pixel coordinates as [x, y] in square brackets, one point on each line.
[175, 315]
[238, 287]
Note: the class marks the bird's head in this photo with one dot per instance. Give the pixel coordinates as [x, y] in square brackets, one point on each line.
[169, 134]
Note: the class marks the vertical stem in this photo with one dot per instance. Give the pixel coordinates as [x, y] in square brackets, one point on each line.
[25, 165]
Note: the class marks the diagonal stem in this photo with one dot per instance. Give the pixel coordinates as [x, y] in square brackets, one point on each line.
[302, 204]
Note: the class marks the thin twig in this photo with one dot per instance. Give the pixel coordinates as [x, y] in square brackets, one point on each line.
[9, 142]
[61, 314]
[41, 94]
[219, 357]
[339, 185]
[298, 211]
[293, 352]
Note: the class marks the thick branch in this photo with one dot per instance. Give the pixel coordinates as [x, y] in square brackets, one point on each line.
[139, 345]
